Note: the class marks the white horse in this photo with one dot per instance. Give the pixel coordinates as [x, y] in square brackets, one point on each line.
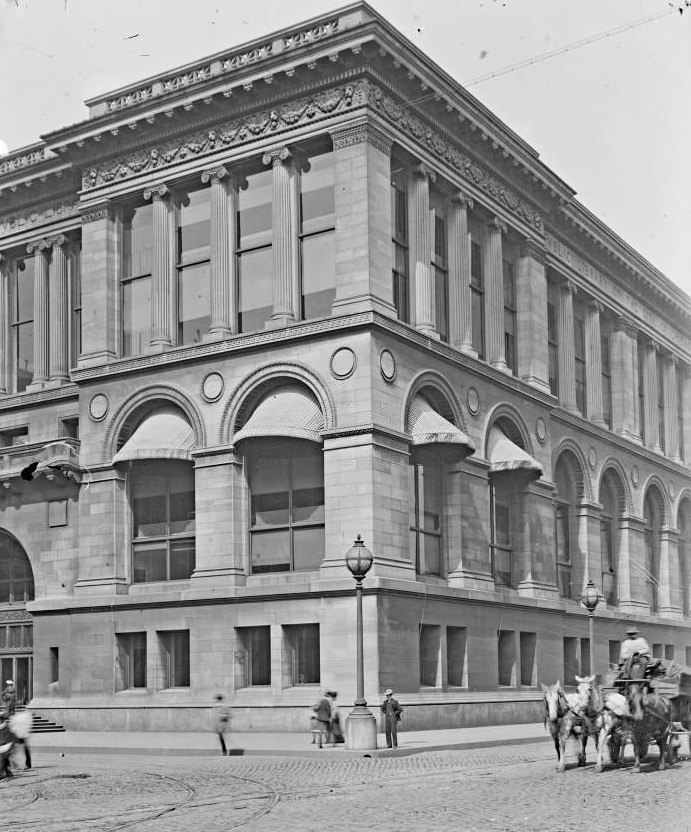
[615, 724]
[572, 715]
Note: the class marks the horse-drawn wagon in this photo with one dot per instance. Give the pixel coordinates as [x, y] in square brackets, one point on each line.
[675, 686]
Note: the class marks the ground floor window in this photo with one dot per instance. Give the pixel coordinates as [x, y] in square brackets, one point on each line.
[528, 644]
[506, 655]
[429, 655]
[254, 655]
[132, 660]
[302, 641]
[456, 656]
[175, 656]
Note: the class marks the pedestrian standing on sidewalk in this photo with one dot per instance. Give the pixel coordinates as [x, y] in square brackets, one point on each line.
[336, 731]
[221, 722]
[9, 697]
[321, 719]
[392, 715]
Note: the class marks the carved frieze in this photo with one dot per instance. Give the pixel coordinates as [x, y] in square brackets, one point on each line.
[19, 161]
[21, 222]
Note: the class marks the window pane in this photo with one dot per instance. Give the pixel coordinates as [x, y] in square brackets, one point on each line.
[194, 305]
[429, 555]
[149, 562]
[271, 551]
[137, 241]
[148, 504]
[25, 355]
[179, 675]
[259, 671]
[441, 302]
[138, 660]
[308, 505]
[24, 301]
[317, 194]
[182, 559]
[255, 210]
[477, 310]
[318, 275]
[136, 316]
[308, 548]
[304, 643]
[270, 509]
[181, 501]
[255, 270]
[194, 216]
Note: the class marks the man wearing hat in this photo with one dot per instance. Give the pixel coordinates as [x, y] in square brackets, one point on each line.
[392, 714]
[632, 644]
[9, 697]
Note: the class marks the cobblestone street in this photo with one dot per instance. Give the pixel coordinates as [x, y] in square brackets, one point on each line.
[515, 789]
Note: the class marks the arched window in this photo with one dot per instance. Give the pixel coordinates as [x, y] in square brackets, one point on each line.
[685, 555]
[564, 517]
[653, 513]
[612, 508]
[16, 577]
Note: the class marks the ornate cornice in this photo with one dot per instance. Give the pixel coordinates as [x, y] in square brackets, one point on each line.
[20, 222]
[348, 136]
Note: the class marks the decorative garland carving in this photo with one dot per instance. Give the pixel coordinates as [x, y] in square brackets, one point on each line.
[231, 135]
[16, 615]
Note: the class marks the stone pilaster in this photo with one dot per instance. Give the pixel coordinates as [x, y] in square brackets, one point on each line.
[4, 334]
[531, 316]
[284, 242]
[624, 381]
[161, 278]
[493, 270]
[686, 409]
[223, 279]
[669, 598]
[567, 357]
[460, 311]
[59, 312]
[633, 585]
[41, 319]
[650, 393]
[534, 545]
[593, 359]
[467, 525]
[362, 195]
[671, 392]
[421, 249]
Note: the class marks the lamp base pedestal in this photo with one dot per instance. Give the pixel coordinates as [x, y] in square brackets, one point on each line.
[361, 730]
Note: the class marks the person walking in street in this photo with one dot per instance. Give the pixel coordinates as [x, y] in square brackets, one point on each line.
[335, 726]
[321, 718]
[9, 697]
[392, 716]
[221, 722]
[6, 744]
[21, 723]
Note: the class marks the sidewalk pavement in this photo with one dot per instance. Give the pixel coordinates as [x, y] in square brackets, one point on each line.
[201, 744]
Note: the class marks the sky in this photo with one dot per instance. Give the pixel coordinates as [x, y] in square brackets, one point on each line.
[610, 114]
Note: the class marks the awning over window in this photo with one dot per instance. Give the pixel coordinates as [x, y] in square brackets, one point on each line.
[164, 434]
[505, 455]
[288, 411]
[427, 427]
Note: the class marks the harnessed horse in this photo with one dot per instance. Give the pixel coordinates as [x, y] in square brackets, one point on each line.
[651, 713]
[572, 715]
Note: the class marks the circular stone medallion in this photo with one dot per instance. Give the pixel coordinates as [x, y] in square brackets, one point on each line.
[592, 457]
[540, 429]
[672, 490]
[635, 476]
[98, 406]
[343, 363]
[473, 399]
[387, 365]
[212, 386]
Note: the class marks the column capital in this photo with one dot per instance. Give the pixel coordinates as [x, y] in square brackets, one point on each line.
[58, 241]
[495, 224]
[531, 248]
[626, 326]
[37, 245]
[215, 175]
[424, 171]
[596, 306]
[568, 287]
[276, 157]
[157, 192]
[460, 199]
[348, 136]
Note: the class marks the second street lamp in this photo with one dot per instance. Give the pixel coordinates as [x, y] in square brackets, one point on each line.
[590, 599]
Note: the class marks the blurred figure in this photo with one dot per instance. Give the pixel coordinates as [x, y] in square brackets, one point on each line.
[336, 731]
[9, 697]
[221, 722]
[321, 719]
[21, 723]
[6, 744]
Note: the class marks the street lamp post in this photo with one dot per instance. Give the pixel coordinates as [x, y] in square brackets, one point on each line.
[590, 599]
[361, 726]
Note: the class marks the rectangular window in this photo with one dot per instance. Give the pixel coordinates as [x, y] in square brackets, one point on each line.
[14, 436]
[456, 656]
[528, 643]
[606, 377]
[254, 253]
[175, 658]
[571, 668]
[614, 648]
[563, 546]
[132, 660]
[657, 651]
[585, 657]
[506, 655]
[660, 369]
[54, 665]
[75, 278]
[69, 428]
[399, 219]
[303, 648]
[553, 348]
[426, 516]
[193, 253]
[439, 264]
[501, 535]
[669, 652]
[255, 655]
[579, 356]
[509, 315]
[137, 262]
[609, 587]
[430, 671]
[22, 322]
[318, 236]
[477, 297]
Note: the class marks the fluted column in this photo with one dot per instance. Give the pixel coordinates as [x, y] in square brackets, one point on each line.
[624, 381]
[650, 393]
[59, 312]
[161, 297]
[421, 249]
[41, 319]
[4, 335]
[494, 295]
[460, 312]
[593, 359]
[284, 241]
[531, 316]
[567, 356]
[671, 391]
[222, 262]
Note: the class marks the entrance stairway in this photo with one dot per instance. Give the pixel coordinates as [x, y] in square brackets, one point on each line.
[42, 725]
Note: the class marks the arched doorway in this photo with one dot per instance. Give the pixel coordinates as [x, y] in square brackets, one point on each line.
[16, 628]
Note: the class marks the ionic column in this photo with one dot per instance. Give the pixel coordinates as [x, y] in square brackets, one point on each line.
[460, 311]
[593, 359]
[161, 279]
[284, 242]
[531, 316]
[421, 249]
[494, 295]
[650, 393]
[4, 336]
[41, 319]
[567, 355]
[670, 391]
[59, 312]
[686, 410]
[222, 262]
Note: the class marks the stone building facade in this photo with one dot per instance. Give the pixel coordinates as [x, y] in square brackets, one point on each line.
[301, 290]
